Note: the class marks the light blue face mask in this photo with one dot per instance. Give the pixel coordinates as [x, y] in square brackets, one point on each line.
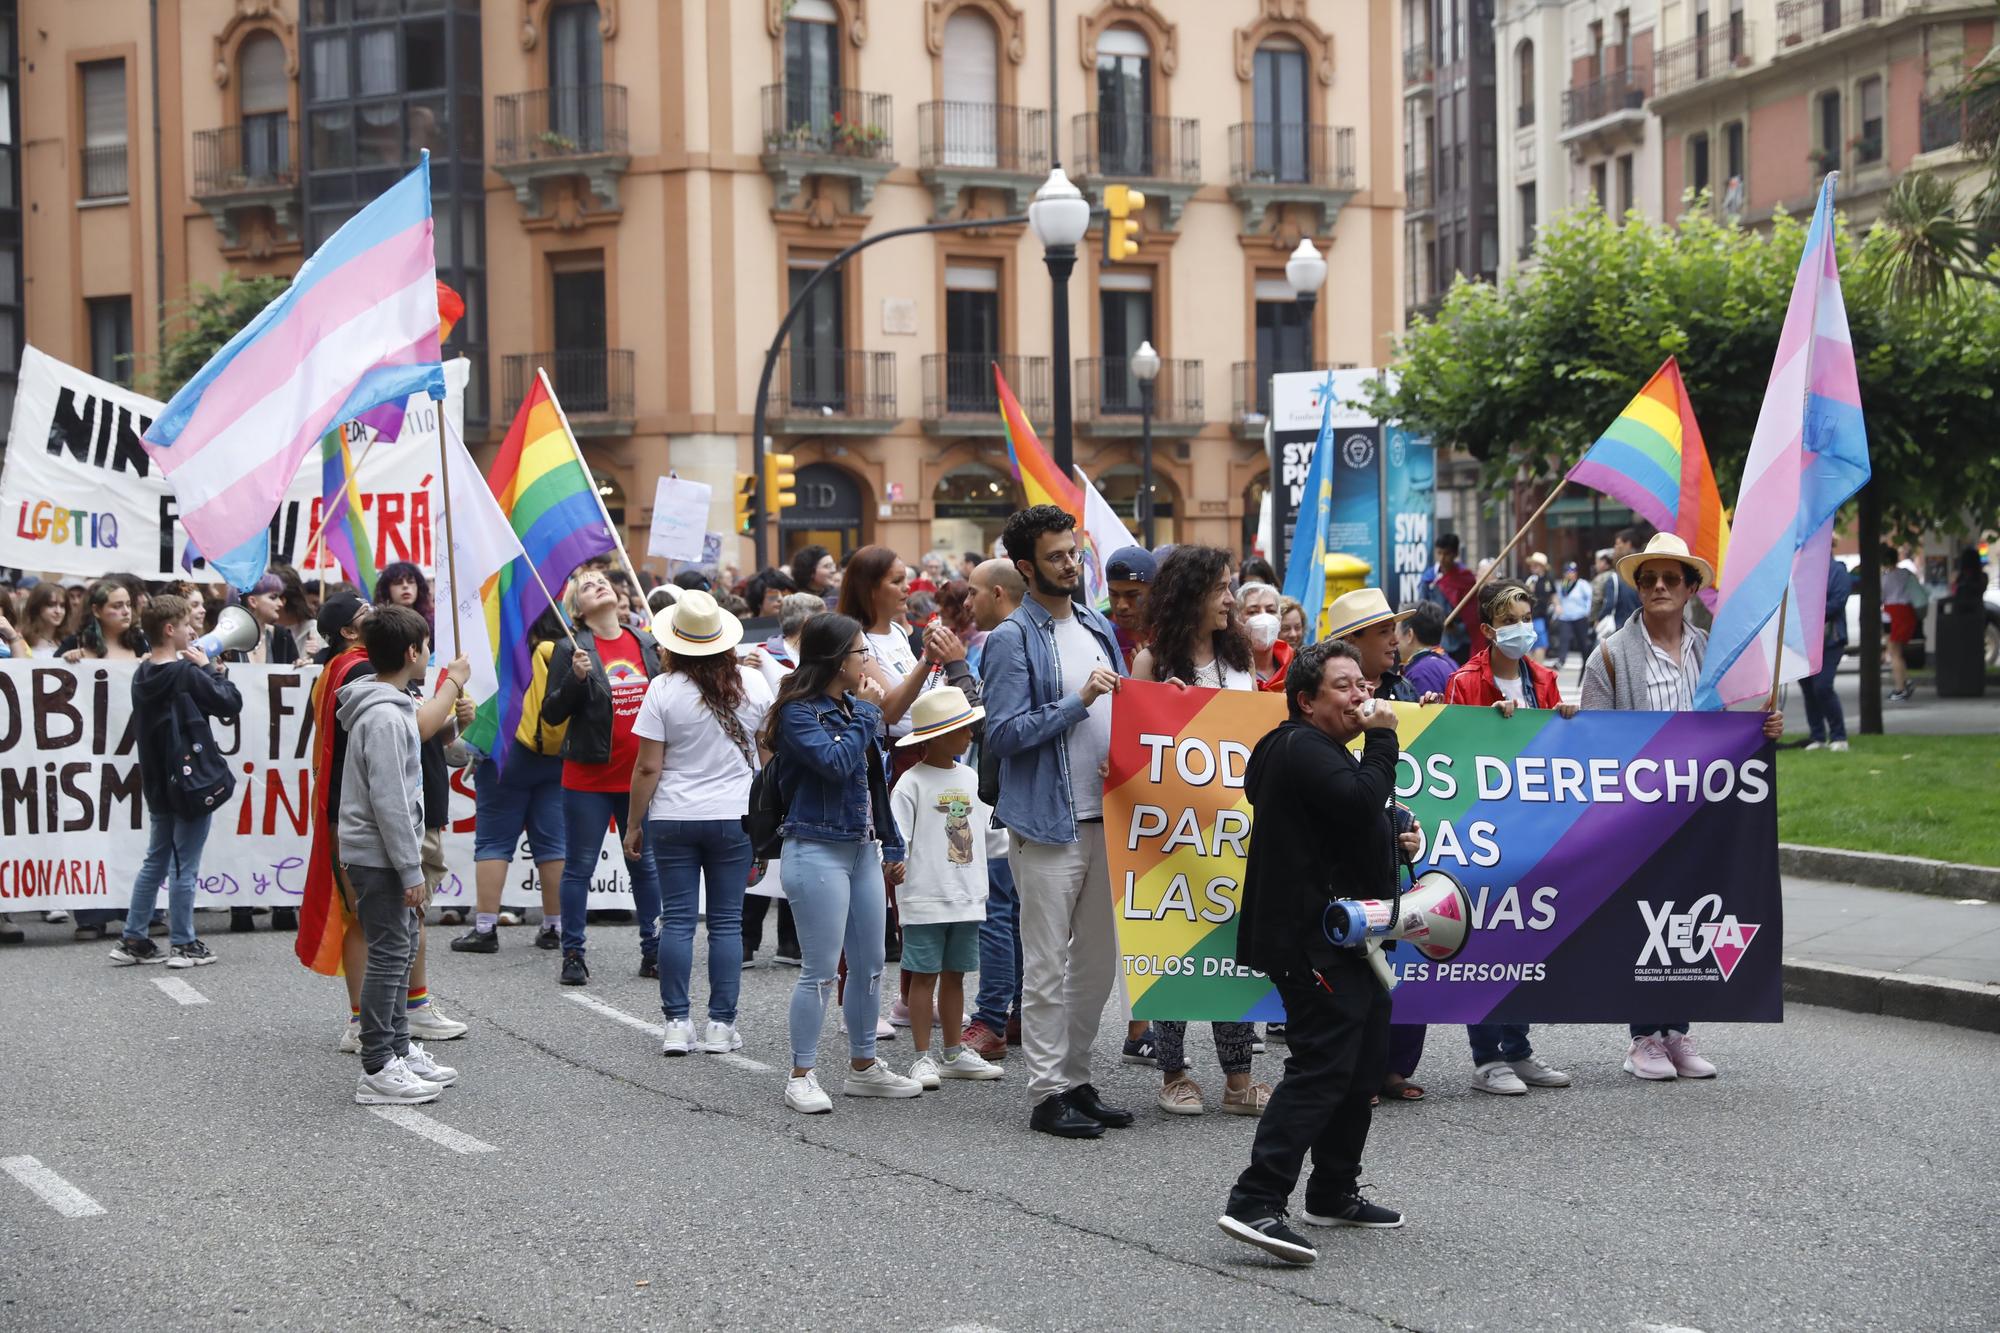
[1515, 640]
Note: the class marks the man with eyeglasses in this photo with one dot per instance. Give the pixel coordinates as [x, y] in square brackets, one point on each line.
[1652, 663]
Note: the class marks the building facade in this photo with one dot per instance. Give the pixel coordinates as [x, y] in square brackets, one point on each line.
[1451, 165]
[630, 195]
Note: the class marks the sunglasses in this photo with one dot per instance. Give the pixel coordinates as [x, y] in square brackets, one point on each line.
[1647, 579]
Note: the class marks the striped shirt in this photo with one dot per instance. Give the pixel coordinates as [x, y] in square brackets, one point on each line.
[1670, 681]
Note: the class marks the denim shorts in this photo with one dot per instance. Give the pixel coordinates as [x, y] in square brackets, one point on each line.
[948, 946]
[527, 795]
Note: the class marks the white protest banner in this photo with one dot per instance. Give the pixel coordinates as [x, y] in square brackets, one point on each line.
[73, 826]
[680, 519]
[79, 496]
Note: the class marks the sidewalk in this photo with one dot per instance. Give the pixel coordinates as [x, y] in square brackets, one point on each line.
[1881, 951]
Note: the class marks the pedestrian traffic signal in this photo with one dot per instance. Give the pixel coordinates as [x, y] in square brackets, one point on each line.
[1120, 228]
[746, 494]
[779, 480]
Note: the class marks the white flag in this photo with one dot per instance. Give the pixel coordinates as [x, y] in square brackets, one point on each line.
[481, 544]
[1107, 534]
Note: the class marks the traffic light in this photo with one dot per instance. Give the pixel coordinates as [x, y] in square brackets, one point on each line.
[1121, 229]
[779, 479]
[746, 491]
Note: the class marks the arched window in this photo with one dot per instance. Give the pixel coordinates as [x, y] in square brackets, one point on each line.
[263, 107]
[1524, 80]
[576, 74]
[1124, 102]
[972, 90]
[1278, 91]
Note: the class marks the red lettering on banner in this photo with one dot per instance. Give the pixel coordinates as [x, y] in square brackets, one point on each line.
[389, 529]
[49, 878]
[276, 795]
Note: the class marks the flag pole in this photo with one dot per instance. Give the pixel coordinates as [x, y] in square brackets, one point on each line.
[577, 449]
[312, 543]
[1778, 658]
[1514, 541]
[450, 544]
[554, 603]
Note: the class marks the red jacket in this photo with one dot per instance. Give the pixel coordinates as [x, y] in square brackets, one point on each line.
[1473, 682]
[1281, 662]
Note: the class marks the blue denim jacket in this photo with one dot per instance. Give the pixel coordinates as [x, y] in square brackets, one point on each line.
[1029, 716]
[832, 774]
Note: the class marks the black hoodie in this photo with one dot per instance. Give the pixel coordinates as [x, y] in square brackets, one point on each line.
[1321, 832]
[155, 686]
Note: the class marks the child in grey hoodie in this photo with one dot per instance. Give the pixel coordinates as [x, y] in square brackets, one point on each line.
[381, 852]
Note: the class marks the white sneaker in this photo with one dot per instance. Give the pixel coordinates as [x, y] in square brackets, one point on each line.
[430, 1025]
[884, 1030]
[1497, 1076]
[420, 1063]
[394, 1085]
[968, 1063]
[679, 1038]
[805, 1096]
[924, 1069]
[721, 1038]
[508, 917]
[878, 1080]
[1837, 746]
[1536, 1074]
[1815, 745]
[350, 1039]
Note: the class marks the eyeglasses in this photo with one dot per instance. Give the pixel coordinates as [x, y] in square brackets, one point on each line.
[1060, 558]
[1648, 578]
[854, 651]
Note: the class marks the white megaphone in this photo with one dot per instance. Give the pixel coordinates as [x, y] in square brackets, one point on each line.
[235, 632]
[1435, 916]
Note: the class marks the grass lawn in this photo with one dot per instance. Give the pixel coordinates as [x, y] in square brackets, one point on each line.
[1911, 795]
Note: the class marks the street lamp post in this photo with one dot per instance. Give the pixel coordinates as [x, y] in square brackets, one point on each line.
[1060, 216]
[1306, 272]
[1145, 369]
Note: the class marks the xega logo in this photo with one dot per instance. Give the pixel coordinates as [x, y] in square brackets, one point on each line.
[1703, 931]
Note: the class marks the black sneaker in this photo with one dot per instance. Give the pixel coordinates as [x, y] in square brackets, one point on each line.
[1056, 1116]
[477, 941]
[1140, 1050]
[131, 951]
[1085, 1099]
[1269, 1233]
[548, 937]
[241, 922]
[284, 918]
[649, 968]
[574, 973]
[1351, 1210]
[192, 954]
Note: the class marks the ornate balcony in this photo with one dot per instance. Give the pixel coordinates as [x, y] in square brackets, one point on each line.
[981, 145]
[1607, 111]
[594, 386]
[1287, 163]
[1108, 400]
[242, 169]
[1161, 155]
[559, 132]
[838, 132]
[960, 397]
[1691, 63]
[834, 392]
[1808, 20]
[1418, 73]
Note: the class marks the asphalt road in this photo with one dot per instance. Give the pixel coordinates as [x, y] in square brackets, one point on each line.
[1840, 1174]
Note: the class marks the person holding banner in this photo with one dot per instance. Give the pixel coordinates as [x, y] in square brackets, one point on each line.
[1653, 662]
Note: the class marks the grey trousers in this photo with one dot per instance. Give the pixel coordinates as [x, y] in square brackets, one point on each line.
[390, 927]
[1069, 955]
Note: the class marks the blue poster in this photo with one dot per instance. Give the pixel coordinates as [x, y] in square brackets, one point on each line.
[1409, 483]
[1356, 522]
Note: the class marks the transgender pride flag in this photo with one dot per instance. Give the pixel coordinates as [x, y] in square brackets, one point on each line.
[1808, 455]
[357, 328]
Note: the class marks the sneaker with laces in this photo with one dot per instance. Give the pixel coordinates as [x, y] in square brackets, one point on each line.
[679, 1037]
[1498, 1077]
[1352, 1210]
[428, 1023]
[131, 951]
[1181, 1096]
[420, 1063]
[984, 1042]
[1535, 1072]
[350, 1038]
[394, 1085]
[805, 1096]
[878, 1080]
[720, 1038]
[884, 1030]
[924, 1069]
[1140, 1050]
[192, 954]
[1246, 1101]
[1269, 1232]
[574, 970]
[548, 937]
[477, 941]
[1688, 1061]
[968, 1064]
[1648, 1058]
[899, 1014]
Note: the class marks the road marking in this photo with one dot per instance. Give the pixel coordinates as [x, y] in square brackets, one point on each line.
[1664, 1328]
[180, 990]
[410, 1118]
[617, 1015]
[54, 1191]
[743, 1062]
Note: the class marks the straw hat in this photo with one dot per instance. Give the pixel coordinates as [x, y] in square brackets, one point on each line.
[696, 626]
[1357, 610]
[939, 711]
[1665, 546]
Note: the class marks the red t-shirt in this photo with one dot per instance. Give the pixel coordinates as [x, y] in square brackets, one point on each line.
[625, 668]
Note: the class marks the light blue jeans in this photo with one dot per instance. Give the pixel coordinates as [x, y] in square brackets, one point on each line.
[683, 849]
[173, 856]
[839, 901]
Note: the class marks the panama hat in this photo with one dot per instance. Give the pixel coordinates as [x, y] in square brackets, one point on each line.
[696, 626]
[938, 711]
[1357, 610]
[1665, 546]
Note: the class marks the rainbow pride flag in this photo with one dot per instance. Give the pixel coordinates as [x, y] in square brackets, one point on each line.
[1042, 483]
[1652, 460]
[343, 526]
[546, 495]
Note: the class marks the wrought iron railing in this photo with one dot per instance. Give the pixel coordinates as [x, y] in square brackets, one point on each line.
[1620, 90]
[983, 135]
[1107, 388]
[1417, 68]
[828, 122]
[1803, 20]
[1417, 196]
[261, 153]
[1695, 61]
[834, 383]
[1287, 153]
[1161, 148]
[591, 383]
[104, 171]
[960, 384]
[552, 124]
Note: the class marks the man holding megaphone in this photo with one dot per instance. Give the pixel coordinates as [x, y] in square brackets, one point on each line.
[1323, 833]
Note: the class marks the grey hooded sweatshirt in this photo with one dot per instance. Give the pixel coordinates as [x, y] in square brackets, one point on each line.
[382, 781]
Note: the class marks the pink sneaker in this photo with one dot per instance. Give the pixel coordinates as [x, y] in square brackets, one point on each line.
[1687, 1060]
[1649, 1059]
[899, 1014]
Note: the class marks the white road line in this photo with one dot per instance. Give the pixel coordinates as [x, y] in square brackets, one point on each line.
[743, 1062]
[180, 990]
[410, 1118]
[617, 1015]
[53, 1190]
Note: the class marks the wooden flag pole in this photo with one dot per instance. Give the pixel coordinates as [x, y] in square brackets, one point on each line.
[554, 603]
[1778, 658]
[312, 543]
[450, 546]
[576, 449]
[1519, 533]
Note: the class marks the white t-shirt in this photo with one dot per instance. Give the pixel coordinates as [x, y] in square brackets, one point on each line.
[946, 828]
[705, 774]
[1509, 689]
[1078, 653]
[892, 652]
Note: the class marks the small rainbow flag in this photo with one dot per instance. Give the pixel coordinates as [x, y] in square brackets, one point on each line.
[1653, 461]
[343, 526]
[1042, 483]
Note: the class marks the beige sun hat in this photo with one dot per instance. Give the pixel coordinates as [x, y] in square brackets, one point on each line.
[1355, 611]
[938, 711]
[1665, 546]
[696, 626]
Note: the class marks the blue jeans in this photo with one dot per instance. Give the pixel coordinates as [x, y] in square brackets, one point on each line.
[999, 950]
[685, 852]
[173, 855]
[1824, 717]
[586, 814]
[1499, 1041]
[838, 900]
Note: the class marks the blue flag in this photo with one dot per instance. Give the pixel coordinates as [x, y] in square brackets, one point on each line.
[1305, 562]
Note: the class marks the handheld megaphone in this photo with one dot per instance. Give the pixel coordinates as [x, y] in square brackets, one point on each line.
[1435, 916]
[235, 632]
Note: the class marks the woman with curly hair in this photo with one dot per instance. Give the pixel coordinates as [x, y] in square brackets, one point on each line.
[1197, 640]
[403, 584]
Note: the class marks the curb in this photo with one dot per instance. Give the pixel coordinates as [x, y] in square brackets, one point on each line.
[1911, 874]
[1863, 990]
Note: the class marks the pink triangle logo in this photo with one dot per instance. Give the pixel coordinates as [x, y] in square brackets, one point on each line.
[1728, 940]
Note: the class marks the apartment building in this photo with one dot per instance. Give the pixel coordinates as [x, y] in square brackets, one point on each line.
[1451, 133]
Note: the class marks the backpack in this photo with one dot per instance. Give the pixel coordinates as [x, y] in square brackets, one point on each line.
[198, 781]
[768, 808]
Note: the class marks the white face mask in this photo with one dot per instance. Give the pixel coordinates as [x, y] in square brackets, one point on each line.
[1263, 629]
[1515, 640]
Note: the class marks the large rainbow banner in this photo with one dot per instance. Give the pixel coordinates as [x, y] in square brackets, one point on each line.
[1622, 867]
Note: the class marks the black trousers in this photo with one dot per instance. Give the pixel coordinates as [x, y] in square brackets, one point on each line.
[755, 906]
[1337, 1053]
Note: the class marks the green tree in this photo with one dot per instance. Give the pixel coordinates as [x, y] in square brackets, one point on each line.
[206, 320]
